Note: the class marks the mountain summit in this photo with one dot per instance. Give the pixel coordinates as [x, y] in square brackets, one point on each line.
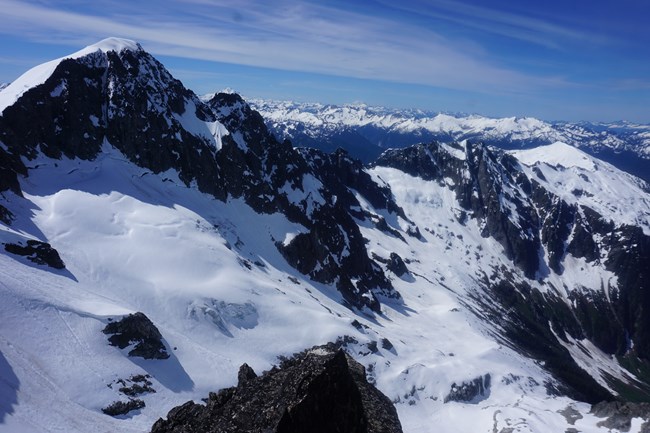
[154, 242]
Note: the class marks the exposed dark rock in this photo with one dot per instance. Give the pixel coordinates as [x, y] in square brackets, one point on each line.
[557, 219]
[135, 385]
[38, 252]
[333, 251]
[139, 330]
[570, 414]
[524, 314]
[396, 265]
[245, 374]
[11, 165]
[599, 321]
[136, 389]
[372, 346]
[360, 326]
[122, 408]
[5, 215]
[386, 344]
[470, 392]
[318, 391]
[342, 173]
[618, 415]
[141, 378]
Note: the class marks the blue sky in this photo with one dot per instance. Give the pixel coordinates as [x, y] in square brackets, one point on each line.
[555, 60]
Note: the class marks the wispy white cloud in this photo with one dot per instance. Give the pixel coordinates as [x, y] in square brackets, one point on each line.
[286, 35]
[500, 22]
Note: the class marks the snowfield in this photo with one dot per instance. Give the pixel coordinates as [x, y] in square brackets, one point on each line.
[208, 274]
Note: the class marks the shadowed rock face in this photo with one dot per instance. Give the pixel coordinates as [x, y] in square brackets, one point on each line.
[319, 391]
[470, 392]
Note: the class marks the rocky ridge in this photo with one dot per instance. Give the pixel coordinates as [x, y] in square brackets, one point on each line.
[320, 390]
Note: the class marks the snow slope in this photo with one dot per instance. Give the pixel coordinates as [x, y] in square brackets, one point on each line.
[208, 275]
[134, 241]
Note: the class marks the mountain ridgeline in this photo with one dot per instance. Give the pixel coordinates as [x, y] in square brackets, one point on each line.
[539, 226]
[367, 131]
[128, 99]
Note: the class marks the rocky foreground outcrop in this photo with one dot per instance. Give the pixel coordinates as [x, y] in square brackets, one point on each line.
[320, 390]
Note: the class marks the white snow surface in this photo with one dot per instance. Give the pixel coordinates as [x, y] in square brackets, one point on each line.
[209, 275]
[39, 74]
[571, 173]
[555, 154]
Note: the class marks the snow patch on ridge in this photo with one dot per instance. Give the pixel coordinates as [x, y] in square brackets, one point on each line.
[558, 153]
[112, 44]
[211, 131]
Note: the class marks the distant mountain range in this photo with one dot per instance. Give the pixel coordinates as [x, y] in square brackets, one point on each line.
[367, 131]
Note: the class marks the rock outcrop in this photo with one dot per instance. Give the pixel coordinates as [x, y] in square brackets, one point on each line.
[123, 407]
[136, 329]
[618, 415]
[321, 390]
[471, 391]
[38, 252]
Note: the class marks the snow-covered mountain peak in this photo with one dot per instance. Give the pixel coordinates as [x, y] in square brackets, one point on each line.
[114, 44]
[558, 153]
[39, 74]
